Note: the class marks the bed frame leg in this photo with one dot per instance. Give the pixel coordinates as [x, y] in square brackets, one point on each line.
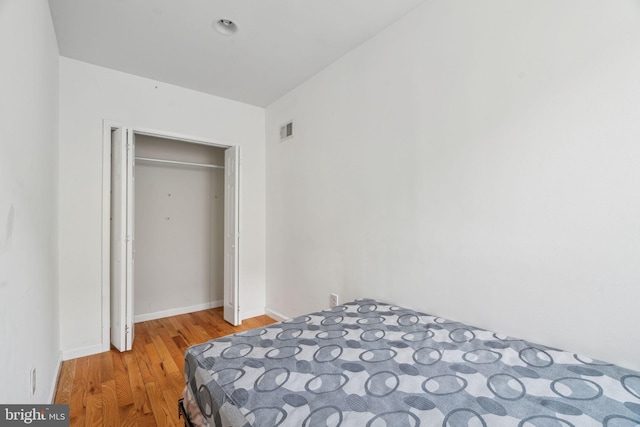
[182, 413]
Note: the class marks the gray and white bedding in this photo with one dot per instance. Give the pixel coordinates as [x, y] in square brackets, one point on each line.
[367, 363]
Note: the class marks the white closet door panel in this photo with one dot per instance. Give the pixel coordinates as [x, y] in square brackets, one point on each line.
[122, 239]
[231, 235]
[131, 175]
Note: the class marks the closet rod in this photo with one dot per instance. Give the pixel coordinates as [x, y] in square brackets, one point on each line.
[176, 162]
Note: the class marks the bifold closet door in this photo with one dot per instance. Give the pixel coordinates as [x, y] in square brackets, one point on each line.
[231, 235]
[122, 237]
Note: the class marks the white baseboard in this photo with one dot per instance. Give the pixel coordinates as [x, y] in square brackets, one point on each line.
[96, 349]
[275, 315]
[56, 378]
[176, 311]
[251, 313]
[82, 352]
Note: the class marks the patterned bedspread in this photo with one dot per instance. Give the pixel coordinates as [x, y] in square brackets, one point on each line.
[367, 363]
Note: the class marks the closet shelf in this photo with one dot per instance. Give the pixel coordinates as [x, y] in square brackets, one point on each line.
[177, 162]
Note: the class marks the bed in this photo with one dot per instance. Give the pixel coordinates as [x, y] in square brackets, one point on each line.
[368, 363]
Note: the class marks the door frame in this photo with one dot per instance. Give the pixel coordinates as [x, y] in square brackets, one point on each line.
[107, 127]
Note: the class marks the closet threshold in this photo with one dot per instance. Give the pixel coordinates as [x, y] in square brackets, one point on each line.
[177, 162]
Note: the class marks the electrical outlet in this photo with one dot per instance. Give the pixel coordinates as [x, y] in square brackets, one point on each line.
[32, 377]
[333, 301]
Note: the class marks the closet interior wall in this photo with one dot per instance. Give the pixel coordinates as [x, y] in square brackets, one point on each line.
[179, 228]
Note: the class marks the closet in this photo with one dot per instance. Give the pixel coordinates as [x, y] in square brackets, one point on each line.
[173, 230]
[179, 228]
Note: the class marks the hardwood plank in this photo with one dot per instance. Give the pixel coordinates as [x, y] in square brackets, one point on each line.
[180, 343]
[161, 345]
[172, 397]
[67, 373]
[141, 402]
[94, 410]
[172, 372]
[123, 386]
[196, 328]
[94, 375]
[94, 392]
[161, 411]
[110, 412]
[207, 322]
[77, 402]
[128, 417]
[174, 350]
[106, 367]
[184, 332]
[140, 387]
[157, 368]
[141, 336]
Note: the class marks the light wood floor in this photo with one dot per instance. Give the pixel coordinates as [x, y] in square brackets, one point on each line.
[141, 386]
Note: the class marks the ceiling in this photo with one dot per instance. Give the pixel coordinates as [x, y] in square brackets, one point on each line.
[279, 43]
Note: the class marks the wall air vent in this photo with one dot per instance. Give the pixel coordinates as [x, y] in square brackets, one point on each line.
[286, 131]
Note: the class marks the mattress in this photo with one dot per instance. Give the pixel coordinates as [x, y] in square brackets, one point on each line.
[368, 363]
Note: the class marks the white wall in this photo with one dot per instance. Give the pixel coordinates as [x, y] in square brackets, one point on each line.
[477, 160]
[89, 94]
[179, 229]
[28, 201]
